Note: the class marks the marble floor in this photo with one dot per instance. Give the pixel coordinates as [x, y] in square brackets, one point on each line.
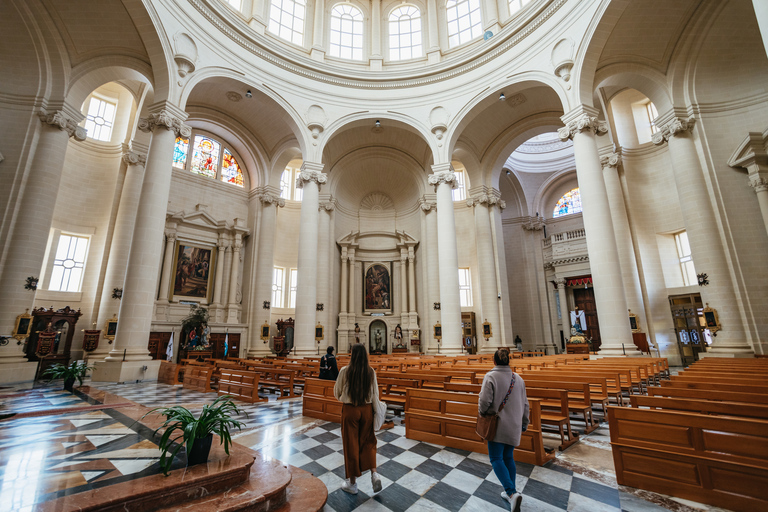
[59, 444]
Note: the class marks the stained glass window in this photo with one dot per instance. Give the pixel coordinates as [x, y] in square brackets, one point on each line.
[205, 156]
[230, 169]
[568, 204]
[180, 152]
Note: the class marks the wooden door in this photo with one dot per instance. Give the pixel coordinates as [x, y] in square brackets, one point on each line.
[158, 344]
[217, 345]
[688, 320]
[584, 298]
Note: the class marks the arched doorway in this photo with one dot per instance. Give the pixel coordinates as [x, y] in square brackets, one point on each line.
[377, 337]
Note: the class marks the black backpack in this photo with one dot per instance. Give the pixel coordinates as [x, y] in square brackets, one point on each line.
[326, 370]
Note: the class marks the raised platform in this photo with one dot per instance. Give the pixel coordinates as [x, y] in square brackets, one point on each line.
[95, 452]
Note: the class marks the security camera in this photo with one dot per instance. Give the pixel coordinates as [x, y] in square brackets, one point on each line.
[248, 94]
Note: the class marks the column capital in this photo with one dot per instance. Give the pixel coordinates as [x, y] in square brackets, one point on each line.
[59, 119]
[170, 236]
[328, 206]
[759, 183]
[311, 172]
[427, 206]
[580, 120]
[674, 126]
[131, 157]
[237, 245]
[611, 160]
[533, 224]
[170, 119]
[442, 176]
[490, 200]
[560, 282]
[269, 199]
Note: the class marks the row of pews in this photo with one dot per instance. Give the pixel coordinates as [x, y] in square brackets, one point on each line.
[701, 435]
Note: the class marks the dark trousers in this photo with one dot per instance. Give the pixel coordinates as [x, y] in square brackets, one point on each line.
[358, 439]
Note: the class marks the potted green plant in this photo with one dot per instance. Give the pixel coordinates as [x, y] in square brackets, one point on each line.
[69, 373]
[182, 429]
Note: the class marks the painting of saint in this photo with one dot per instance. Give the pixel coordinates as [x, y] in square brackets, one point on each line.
[193, 272]
[378, 285]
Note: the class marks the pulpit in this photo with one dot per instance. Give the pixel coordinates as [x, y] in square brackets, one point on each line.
[283, 342]
[59, 321]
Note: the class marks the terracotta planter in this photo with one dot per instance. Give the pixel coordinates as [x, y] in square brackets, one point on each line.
[198, 454]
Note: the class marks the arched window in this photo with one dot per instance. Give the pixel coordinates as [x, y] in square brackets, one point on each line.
[464, 21]
[347, 32]
[405, 33]
[568, 204]
[288, 189]
[286, 19]
[208, 157]
[516, 5]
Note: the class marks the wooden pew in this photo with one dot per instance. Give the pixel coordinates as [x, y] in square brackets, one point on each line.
[708, 394]
[718, 460]
[318, 400]
[198, 378]
[758, 411]
[240, 384]
[762, 390]
[277, 379]
[579, 399]
[449, 419]
[554, 411]
[170, 373]
[393, 391]
[599, 390]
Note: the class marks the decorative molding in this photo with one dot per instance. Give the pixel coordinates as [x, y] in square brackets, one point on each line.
[582, 123]
[306, 176]
[167, 120]
[567, 261]
[448, 177]
[534, 224]
[758, 183]
[672, 128]
[427, 206]
[234, 96]
[377, 201]
[611, 160]
[490, 200]
[61, 121]
[328, 206]
[134, 158]
[186, 54]
[269, 199]
[316, 120]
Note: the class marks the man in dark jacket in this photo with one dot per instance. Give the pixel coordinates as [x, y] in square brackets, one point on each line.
[329, 370]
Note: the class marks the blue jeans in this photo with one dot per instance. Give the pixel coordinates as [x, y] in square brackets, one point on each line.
[503, 463]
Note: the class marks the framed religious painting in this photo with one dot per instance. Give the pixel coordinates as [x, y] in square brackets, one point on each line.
[437, 331]
[265, 331]
[193, 268]
[23, 327]
[377, 288]
[711, 319]
[487, 330]
[633, 321]
[319, 333]
[110, 329]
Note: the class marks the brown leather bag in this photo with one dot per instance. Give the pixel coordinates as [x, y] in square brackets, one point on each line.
[487, 423]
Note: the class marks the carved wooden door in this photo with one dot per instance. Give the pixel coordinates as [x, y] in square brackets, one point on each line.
[584, 298]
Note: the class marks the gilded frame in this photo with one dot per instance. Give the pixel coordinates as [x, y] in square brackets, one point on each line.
[178, 281]
[23, 326]
[110, 329]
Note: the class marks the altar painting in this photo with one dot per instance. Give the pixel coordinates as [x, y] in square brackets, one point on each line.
[378, 288]
[193, 272]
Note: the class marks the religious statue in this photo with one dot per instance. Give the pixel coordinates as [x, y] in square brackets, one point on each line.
[398, 336]
[357, 333]
[206, 334]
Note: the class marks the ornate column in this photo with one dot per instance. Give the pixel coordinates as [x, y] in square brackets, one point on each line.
[428, 343]
[444, 181]
[233, 308]
[221, 250]
[411, 284]
[29, 239]
[165, 277]
[129, 357]
[486, 268]
[582, 126]
[120, 246]
[505, 319]
[403, 288]
[703, 234]
[624, 245]
[309, 180]
[565, 314]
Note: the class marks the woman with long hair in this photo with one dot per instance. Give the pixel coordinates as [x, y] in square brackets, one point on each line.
[356, 388]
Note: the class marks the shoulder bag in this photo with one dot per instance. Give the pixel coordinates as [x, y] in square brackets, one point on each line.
[487, 423]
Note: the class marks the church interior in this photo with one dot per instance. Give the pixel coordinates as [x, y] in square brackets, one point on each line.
[201, 196]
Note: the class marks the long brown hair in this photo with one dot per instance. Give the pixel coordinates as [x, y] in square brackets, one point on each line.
[359, 375]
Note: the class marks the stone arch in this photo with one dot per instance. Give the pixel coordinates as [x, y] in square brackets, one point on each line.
[591, 47]
[516, 84]
[512, 193]
[93, 73]
[286, 152]
[552, 190]
[293, 120]
[650, 82]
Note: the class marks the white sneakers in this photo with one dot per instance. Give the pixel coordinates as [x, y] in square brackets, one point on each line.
[348, 487]
[351, 488]
[376, 481]
[514, 501]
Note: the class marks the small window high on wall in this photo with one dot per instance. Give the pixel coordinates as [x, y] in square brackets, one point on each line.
[347, 32]
[516, 5]
[69, 263]
[465, 22]
[208, 157]
[293, 287]
[99, 120]
[569, 204]
[405, 33]
[286, 20]
[465, 288]
[288, 188]
[460, 192]
[685, 258]
[277, 287]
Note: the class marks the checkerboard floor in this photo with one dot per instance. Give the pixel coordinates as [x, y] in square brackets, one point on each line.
[420, 477]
